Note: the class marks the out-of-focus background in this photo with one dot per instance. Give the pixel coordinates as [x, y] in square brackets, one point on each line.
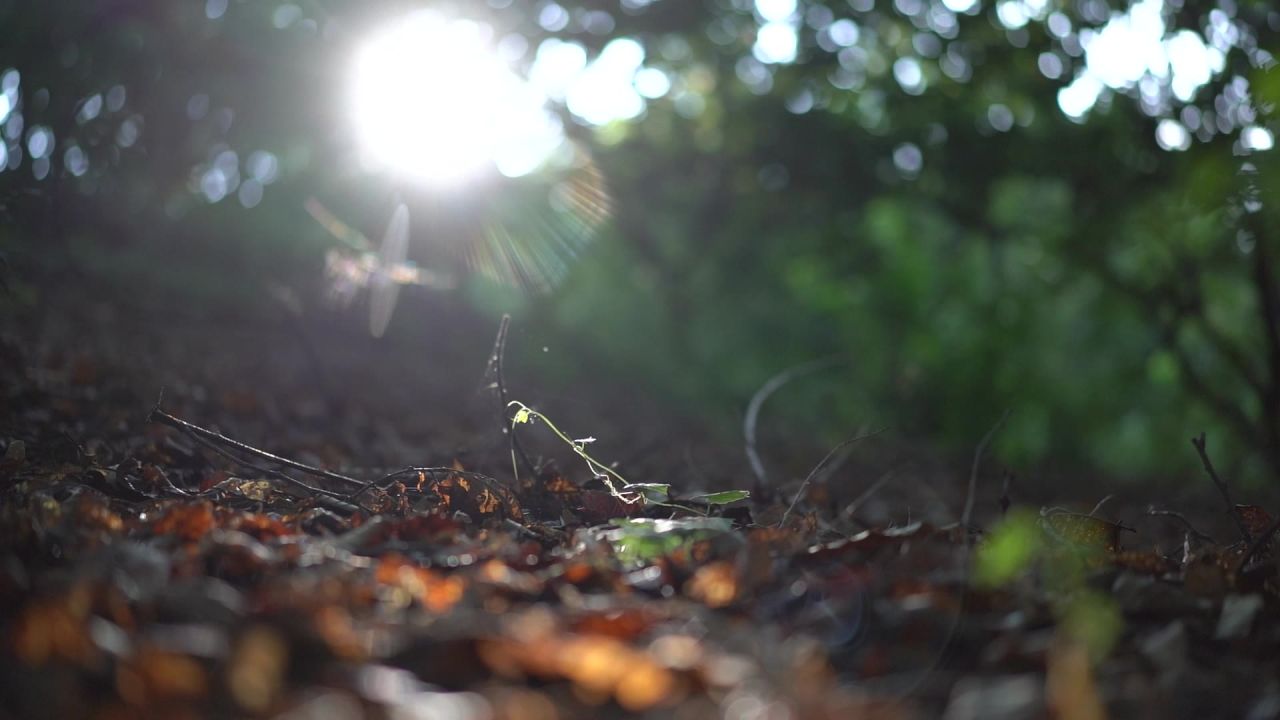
[1066, 210]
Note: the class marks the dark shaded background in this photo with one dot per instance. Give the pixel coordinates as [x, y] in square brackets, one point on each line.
[957, 248]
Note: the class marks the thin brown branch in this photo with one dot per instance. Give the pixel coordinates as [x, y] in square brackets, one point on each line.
[853, 507]
[327, 498]
[496, 376]
[195, 431]
[818, 468]
[973, 471]
[752, 416]
[1101, 502]
[1186, 524]
[1199, 443]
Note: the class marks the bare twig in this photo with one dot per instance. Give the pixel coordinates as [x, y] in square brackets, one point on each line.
[328, 498]
[817, 468]
[1005, 502]
[496, 376]
[965, 548]
[973, 471]
[210, 437]
[880, 482]
[468, 474]
[1101, 502]
[751, 418]
[1191, 529]
[1199, 443]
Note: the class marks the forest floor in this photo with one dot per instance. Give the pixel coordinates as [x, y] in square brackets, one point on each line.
[391, 562]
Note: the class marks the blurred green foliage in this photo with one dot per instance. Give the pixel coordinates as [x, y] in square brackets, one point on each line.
[1009, 552]
[959, 241]
[1017, 547]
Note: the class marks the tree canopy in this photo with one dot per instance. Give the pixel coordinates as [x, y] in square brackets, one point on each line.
[1064, 210]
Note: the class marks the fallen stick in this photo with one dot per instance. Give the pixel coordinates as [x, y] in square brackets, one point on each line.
[1199, 443]
[195, 431]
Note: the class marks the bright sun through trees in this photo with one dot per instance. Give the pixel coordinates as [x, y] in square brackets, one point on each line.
[434, 102]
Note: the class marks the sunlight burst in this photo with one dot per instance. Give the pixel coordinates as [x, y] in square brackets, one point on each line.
[434, 102]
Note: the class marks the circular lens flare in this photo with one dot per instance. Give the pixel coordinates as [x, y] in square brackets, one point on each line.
[433, 101]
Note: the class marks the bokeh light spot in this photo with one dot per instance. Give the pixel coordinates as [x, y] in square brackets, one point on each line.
[1257, 138]
[776, 43]
[1171, 135]
[776, 10]
[908, 159]
[75, 161]
[39, 142]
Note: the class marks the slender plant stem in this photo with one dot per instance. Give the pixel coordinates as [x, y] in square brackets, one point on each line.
[1200, 446]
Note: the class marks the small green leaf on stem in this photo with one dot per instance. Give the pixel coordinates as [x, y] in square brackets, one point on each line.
[722, 498]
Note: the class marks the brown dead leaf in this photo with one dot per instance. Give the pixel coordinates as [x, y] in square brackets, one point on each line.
[434, 591]
[1256, 520]
[257, 668]
[599, 667]
[94, 514]
[53, 629]
[156, 675]
[714, 585]
[623, 623]
[186, 521]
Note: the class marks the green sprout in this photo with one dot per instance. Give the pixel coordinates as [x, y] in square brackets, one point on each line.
[629, 492]
[619, 487]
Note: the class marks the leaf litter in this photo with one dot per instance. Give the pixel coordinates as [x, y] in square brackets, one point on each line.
[170, 570]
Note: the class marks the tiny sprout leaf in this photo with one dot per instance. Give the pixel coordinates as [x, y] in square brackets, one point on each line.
[522, 416]
[722, 498]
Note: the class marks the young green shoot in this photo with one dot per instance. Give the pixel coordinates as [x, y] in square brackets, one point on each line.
[619, 487]
[629, 492]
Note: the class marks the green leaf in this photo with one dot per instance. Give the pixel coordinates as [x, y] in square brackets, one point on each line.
[522, 416]
[652, 492]
[1009, 550]
[722, 498]
[675, 525]
[640, 541]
